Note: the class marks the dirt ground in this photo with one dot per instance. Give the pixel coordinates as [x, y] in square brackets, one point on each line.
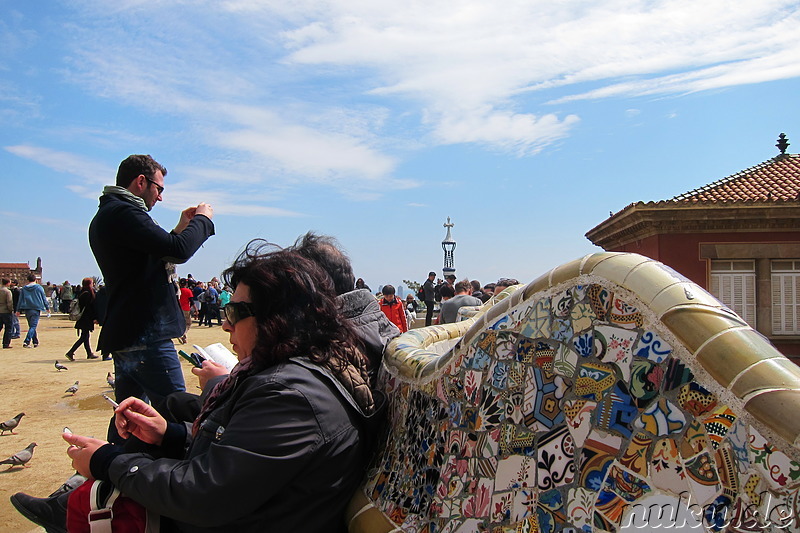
[30, 383]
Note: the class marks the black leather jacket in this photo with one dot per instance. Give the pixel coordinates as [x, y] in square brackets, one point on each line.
[283, 452]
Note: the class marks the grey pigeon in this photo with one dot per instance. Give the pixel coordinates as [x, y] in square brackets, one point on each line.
[73, 388]
[110, 379]
[60, 367]
[20, 458]
[9, 425]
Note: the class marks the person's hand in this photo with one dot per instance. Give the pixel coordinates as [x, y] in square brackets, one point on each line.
[205, 209]
[137, 418]
[186, 216]
[81, 450]
[207, 371]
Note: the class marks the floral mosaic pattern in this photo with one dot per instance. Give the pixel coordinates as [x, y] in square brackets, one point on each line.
[559, 417]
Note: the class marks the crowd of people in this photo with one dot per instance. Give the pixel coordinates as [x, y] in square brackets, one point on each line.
[280, 441]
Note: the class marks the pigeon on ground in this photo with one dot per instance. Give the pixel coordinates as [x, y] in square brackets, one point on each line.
[73, 388]
[110, 379]
[20, 458]
[75, 481]
[60, 367]
[9, 425]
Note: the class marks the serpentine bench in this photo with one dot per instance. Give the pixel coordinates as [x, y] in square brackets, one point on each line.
[607, 389]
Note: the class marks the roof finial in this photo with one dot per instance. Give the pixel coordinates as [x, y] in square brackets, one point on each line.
[783, 143]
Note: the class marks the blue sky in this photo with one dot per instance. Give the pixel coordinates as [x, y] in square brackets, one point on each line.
[526, 122]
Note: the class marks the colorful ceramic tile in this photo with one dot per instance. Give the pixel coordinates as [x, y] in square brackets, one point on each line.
[523, 505]
[726, 470]
[695, 399]
[614, 345]
[542, 395]
[718, 424]
[716, 515]
[525, 350]
[544, 355]
[488, 415]
[562, 329]
[517, 440]
[626, 485]
[565, 362]
[745, 518]
[677, 374]
[599, 451]
[652, 347]
[661, 418]
[480, 359]
[600, 300]
[635, 456]
[512, 401]
[738, 438]
[473, 382]
[582, 316]
[502, 506]
[562, 304]
[646, 378]
[666, 467]
[583, 343]
[578, 415]
[625, 314]
[608, 511]
[701, 472]
[555, 464]
[550, 511]
[538, 323]
[505, 345]
[694, 440]
[616, 411]
[478, 503]
[580, 508]
[594, 380]
[775, 466]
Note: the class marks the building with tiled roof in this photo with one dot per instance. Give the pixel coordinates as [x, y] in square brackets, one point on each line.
[20, 271]
[738, 237]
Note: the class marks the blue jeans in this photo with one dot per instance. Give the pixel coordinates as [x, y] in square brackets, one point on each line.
[150, 373]
[14, 326]
[32, 316]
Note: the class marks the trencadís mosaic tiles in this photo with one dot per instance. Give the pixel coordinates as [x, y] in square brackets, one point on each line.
[573, 405]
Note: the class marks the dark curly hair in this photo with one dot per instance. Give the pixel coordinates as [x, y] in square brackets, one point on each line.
[295, 307]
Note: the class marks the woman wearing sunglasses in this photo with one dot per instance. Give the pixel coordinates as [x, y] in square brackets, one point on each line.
[279, 445]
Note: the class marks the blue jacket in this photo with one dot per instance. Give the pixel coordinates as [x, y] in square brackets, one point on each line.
[32, 297]
[132, 251]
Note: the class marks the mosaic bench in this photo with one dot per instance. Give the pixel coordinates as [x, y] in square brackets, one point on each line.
[609, 394]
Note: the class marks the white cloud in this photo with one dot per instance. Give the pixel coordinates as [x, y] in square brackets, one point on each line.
[88, 170]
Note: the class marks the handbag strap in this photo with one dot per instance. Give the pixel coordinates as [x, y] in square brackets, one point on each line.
[100, 514]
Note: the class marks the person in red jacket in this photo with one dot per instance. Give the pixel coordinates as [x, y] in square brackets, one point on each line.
[393, 308]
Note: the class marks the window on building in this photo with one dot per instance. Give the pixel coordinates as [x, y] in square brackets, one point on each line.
[734, 284]
[786, 297]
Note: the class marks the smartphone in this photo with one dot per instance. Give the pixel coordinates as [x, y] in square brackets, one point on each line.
[109, 400]
[191, 358]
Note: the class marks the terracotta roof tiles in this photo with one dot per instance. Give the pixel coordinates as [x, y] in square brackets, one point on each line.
[775, 180]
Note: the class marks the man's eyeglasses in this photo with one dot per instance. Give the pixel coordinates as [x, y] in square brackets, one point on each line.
[236, 311]
[159, 188]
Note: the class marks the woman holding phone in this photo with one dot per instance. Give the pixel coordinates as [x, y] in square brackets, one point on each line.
[279, 445]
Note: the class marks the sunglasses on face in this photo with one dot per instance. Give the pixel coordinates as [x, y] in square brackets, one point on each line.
[159, 188]
[236, 311]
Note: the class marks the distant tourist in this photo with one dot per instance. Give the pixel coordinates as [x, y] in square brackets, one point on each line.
[393, 308]
[361, 285]
[65, 295]
[6, 311]
[430, 297]
[32, 302]
[85, 324]
[449, 311]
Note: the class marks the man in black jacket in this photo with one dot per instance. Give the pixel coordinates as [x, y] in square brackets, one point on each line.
[137, 257]
[430, 297]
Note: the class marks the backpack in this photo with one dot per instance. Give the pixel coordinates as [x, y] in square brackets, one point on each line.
[75, 311]
[98, 507]
[421, 293]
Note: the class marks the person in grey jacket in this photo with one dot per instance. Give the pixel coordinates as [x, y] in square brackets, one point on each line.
[32, 302]
[279, 444]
